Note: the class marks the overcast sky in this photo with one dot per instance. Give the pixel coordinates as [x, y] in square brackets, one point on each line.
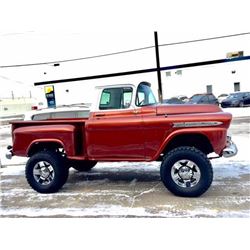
[42, 31]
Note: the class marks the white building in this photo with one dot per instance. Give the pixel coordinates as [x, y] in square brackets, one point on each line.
[218, 79]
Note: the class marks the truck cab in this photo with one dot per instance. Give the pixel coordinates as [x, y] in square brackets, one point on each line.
[124, 96]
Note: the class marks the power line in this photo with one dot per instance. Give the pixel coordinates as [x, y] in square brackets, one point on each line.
[205, 39]
[76, 59]
[12, 80]
[125, 51]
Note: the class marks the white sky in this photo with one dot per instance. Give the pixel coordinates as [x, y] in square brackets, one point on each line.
[39, 31]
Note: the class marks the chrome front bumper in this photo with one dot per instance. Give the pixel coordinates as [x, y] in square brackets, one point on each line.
[230, 149]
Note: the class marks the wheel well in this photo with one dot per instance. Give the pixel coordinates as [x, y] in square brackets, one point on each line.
[43, 146]
[198, 141]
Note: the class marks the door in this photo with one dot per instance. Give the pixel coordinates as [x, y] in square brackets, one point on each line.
[247, 99]
[115, 132]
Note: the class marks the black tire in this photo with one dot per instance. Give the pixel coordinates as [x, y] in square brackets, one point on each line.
[241, 104]
[54, 166]
[82, 166]
[186, 172]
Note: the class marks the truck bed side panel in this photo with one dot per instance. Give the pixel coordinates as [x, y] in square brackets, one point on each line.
[69, 134]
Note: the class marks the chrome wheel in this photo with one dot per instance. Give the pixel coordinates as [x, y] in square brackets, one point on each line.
[43, 173]
[185, 173]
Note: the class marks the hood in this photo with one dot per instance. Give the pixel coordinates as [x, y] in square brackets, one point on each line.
[186, 109]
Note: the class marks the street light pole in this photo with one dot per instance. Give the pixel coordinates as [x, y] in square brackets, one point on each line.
[158, 67]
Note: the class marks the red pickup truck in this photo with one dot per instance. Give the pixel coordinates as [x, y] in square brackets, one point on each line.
[127, 124]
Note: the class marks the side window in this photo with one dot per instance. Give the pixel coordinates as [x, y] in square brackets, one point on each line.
[144, 96]
[140, 98]
[127, 98]
[204, 99]
[105, 98]
[116, 98]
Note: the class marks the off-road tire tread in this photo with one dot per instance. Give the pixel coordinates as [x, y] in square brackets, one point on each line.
[206, 169]
[61, 171]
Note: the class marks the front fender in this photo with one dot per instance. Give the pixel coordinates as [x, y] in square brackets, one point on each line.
[216, 137]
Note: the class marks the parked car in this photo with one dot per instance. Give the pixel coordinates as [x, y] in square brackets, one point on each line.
[203, 99]
[173, 100]
[64, 111]
[237, 99]
[222, 97]
[183, 98]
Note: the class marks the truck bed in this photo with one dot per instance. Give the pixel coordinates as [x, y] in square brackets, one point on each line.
[69, 131]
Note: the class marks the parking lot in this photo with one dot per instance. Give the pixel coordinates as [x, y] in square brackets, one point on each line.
[130, 189]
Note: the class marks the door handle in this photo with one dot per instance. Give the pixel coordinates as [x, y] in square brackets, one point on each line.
[136, 111]
[99, 115]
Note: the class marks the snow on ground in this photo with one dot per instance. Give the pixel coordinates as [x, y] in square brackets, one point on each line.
[83, 191]
[238, 112]
[5, 129]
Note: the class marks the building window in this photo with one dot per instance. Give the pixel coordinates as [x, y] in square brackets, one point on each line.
[209, 89]
[236, 86]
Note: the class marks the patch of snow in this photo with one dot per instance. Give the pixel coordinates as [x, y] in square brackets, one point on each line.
[129, 166]
[238, 112]
[6, 181]
[205, 212]
[15, 160]
[5, 129]
[13, 170]
[230, 169]
[103, 211]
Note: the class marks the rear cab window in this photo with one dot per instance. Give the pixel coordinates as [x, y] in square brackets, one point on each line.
[116, 98]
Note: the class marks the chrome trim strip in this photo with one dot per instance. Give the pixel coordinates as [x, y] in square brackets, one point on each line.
[196, 124]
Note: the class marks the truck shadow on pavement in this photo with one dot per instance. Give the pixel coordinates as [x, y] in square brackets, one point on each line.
[114, 177]
[123, 174]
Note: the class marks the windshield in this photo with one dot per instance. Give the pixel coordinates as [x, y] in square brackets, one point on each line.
[144, 95]
[236, 95]
[196, 98]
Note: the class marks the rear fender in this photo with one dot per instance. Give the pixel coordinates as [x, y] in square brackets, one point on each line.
[38, 145]
[26, 137]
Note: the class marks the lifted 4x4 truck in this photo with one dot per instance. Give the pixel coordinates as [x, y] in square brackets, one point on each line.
[127, 124]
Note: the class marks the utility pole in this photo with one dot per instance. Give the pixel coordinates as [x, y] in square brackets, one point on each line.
[158, 67]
